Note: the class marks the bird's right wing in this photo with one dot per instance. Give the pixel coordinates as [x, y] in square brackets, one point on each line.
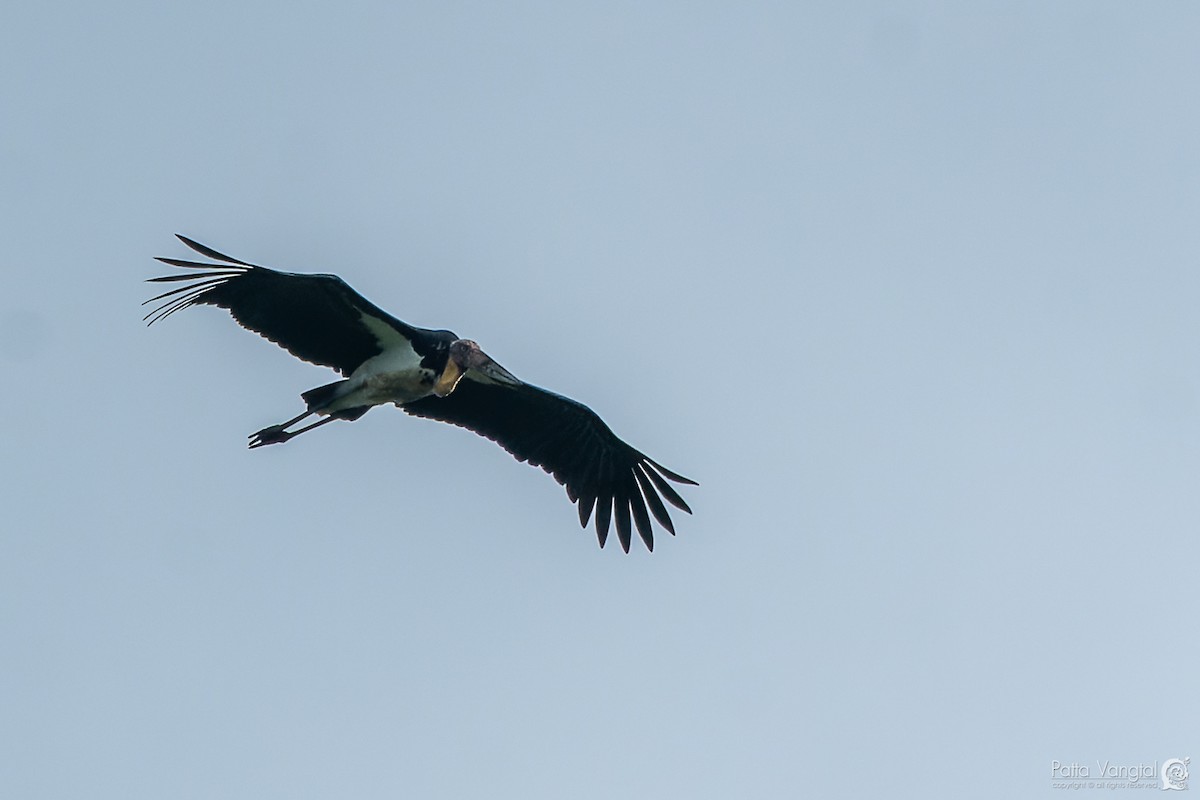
[318, 318]
[570, 441]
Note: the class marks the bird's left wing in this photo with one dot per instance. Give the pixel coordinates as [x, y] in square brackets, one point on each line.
[318, 318]
[570, 441]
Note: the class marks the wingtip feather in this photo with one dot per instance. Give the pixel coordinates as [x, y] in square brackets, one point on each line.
[675, 476]
[205, 250]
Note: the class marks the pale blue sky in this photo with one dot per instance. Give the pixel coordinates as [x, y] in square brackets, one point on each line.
[910, 289]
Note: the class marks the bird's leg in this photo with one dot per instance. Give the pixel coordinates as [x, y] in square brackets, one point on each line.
[273, 434]
[317, 424]
[276, 435]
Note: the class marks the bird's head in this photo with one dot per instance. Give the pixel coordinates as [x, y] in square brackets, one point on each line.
[465, 355]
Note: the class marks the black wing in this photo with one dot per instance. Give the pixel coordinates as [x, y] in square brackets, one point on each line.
[568, 440]
[318, 318]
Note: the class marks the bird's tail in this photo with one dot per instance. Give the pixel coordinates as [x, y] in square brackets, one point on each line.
[320, 397]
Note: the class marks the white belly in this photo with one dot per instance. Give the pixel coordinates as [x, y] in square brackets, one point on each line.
[395, 376]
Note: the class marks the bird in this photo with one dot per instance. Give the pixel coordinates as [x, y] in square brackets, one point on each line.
[427, 373]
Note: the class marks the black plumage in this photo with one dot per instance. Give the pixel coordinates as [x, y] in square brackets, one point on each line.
[432, 374]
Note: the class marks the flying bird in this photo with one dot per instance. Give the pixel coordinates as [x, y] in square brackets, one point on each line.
[427, 373]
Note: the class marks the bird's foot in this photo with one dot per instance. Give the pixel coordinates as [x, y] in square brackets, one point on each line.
[273, 434]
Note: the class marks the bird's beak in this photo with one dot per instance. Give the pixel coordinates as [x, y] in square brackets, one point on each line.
[497, 373]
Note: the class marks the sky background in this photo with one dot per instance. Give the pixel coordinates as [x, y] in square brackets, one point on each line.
[910, 288]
